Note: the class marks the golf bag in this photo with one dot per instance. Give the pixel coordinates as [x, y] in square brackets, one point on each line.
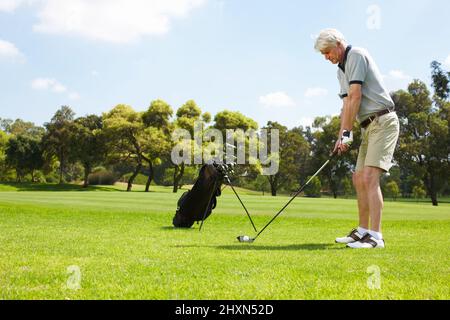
[197, 204]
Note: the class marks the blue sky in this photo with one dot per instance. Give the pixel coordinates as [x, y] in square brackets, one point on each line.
[252, 56]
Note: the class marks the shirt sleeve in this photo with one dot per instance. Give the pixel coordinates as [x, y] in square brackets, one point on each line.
[356, 69]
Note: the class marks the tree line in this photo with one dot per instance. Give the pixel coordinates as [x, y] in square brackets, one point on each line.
[135, 147]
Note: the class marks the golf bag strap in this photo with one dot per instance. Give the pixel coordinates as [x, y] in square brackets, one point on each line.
[207, 207]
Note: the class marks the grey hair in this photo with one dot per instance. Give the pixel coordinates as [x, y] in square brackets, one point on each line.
[329, 38]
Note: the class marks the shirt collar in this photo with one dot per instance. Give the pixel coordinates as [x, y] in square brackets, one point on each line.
[342, 65]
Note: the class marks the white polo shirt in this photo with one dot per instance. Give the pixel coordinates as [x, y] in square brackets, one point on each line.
[358, 67]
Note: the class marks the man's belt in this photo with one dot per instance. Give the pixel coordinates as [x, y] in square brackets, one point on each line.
[370, 119]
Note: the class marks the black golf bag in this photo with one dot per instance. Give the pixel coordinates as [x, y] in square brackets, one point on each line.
[197, 204]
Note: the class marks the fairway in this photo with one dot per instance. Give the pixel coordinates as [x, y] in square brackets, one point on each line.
[119, 245]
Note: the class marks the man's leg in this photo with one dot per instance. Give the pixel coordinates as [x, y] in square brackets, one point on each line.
[363, 208]
[363, 203]
[374, 197]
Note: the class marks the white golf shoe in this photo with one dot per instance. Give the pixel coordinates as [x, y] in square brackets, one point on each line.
[367, 242]
[353, 236]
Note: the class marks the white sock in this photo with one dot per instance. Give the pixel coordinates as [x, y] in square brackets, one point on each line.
[362, 231]
[376, 235]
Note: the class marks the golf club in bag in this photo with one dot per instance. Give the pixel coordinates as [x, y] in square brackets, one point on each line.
[247, 239]
[197, 204]
[226, 170]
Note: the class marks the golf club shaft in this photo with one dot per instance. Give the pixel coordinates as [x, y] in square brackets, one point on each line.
[295, 196]
[248, 214]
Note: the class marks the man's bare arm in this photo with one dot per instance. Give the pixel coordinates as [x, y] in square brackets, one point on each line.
[348, 115]
[351, 108]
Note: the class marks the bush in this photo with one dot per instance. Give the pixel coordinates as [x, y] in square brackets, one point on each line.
[347, 187]
[189, 176]
[39, 177]
[140, 179]
[314, 188]
[102, 178]
[392, 190]
[52, 177]
[419, 192]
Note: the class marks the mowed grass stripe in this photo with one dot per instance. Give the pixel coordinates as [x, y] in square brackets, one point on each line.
[125, 247]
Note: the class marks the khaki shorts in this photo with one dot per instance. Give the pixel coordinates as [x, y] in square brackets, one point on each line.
[378, 144]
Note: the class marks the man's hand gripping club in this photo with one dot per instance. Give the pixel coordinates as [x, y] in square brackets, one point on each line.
[342, 145]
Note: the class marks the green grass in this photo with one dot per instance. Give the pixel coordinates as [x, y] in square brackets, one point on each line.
[125, 248]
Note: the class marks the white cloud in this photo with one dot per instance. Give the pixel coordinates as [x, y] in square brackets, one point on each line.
[396, 80]
[398, 74]
[9, 5]
[52, 85]
[447, 62]
[276, 99]
[74, 96]
[306, 122]
[48, 84]
[95, 73]
[9, 51]
[315, 92]
[115, 21]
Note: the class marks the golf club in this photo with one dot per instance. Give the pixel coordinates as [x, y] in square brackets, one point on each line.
[226, 169]
[247, 239]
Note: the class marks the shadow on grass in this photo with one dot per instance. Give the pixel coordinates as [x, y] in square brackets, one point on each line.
[292, 247]
[28, 186]
[172, 228]
[56, 187]
[250, 247]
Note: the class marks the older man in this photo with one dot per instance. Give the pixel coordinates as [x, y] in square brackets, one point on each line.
[365, 100]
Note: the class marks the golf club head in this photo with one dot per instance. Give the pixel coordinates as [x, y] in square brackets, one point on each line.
[245, 239]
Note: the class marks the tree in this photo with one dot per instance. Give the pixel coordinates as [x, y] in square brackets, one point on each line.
[441, 82]
[392, 190]
[124, 131]
[206, 117]
[24, 153]
[314, 188]
[189, 177]
[158, 130]
[347, 186]
[441, 99]
[187, 115]
[57, 141]
[240, 126]
[418, 192]
[3, 144]
[5, 173]
[20, 127]
[5, 125]
[156, 148]
[424, 140]
[158, 115]
[293, 155]
[278, 179]
[324, 139]
[233, 120]
[261, 183]
[89, 143]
